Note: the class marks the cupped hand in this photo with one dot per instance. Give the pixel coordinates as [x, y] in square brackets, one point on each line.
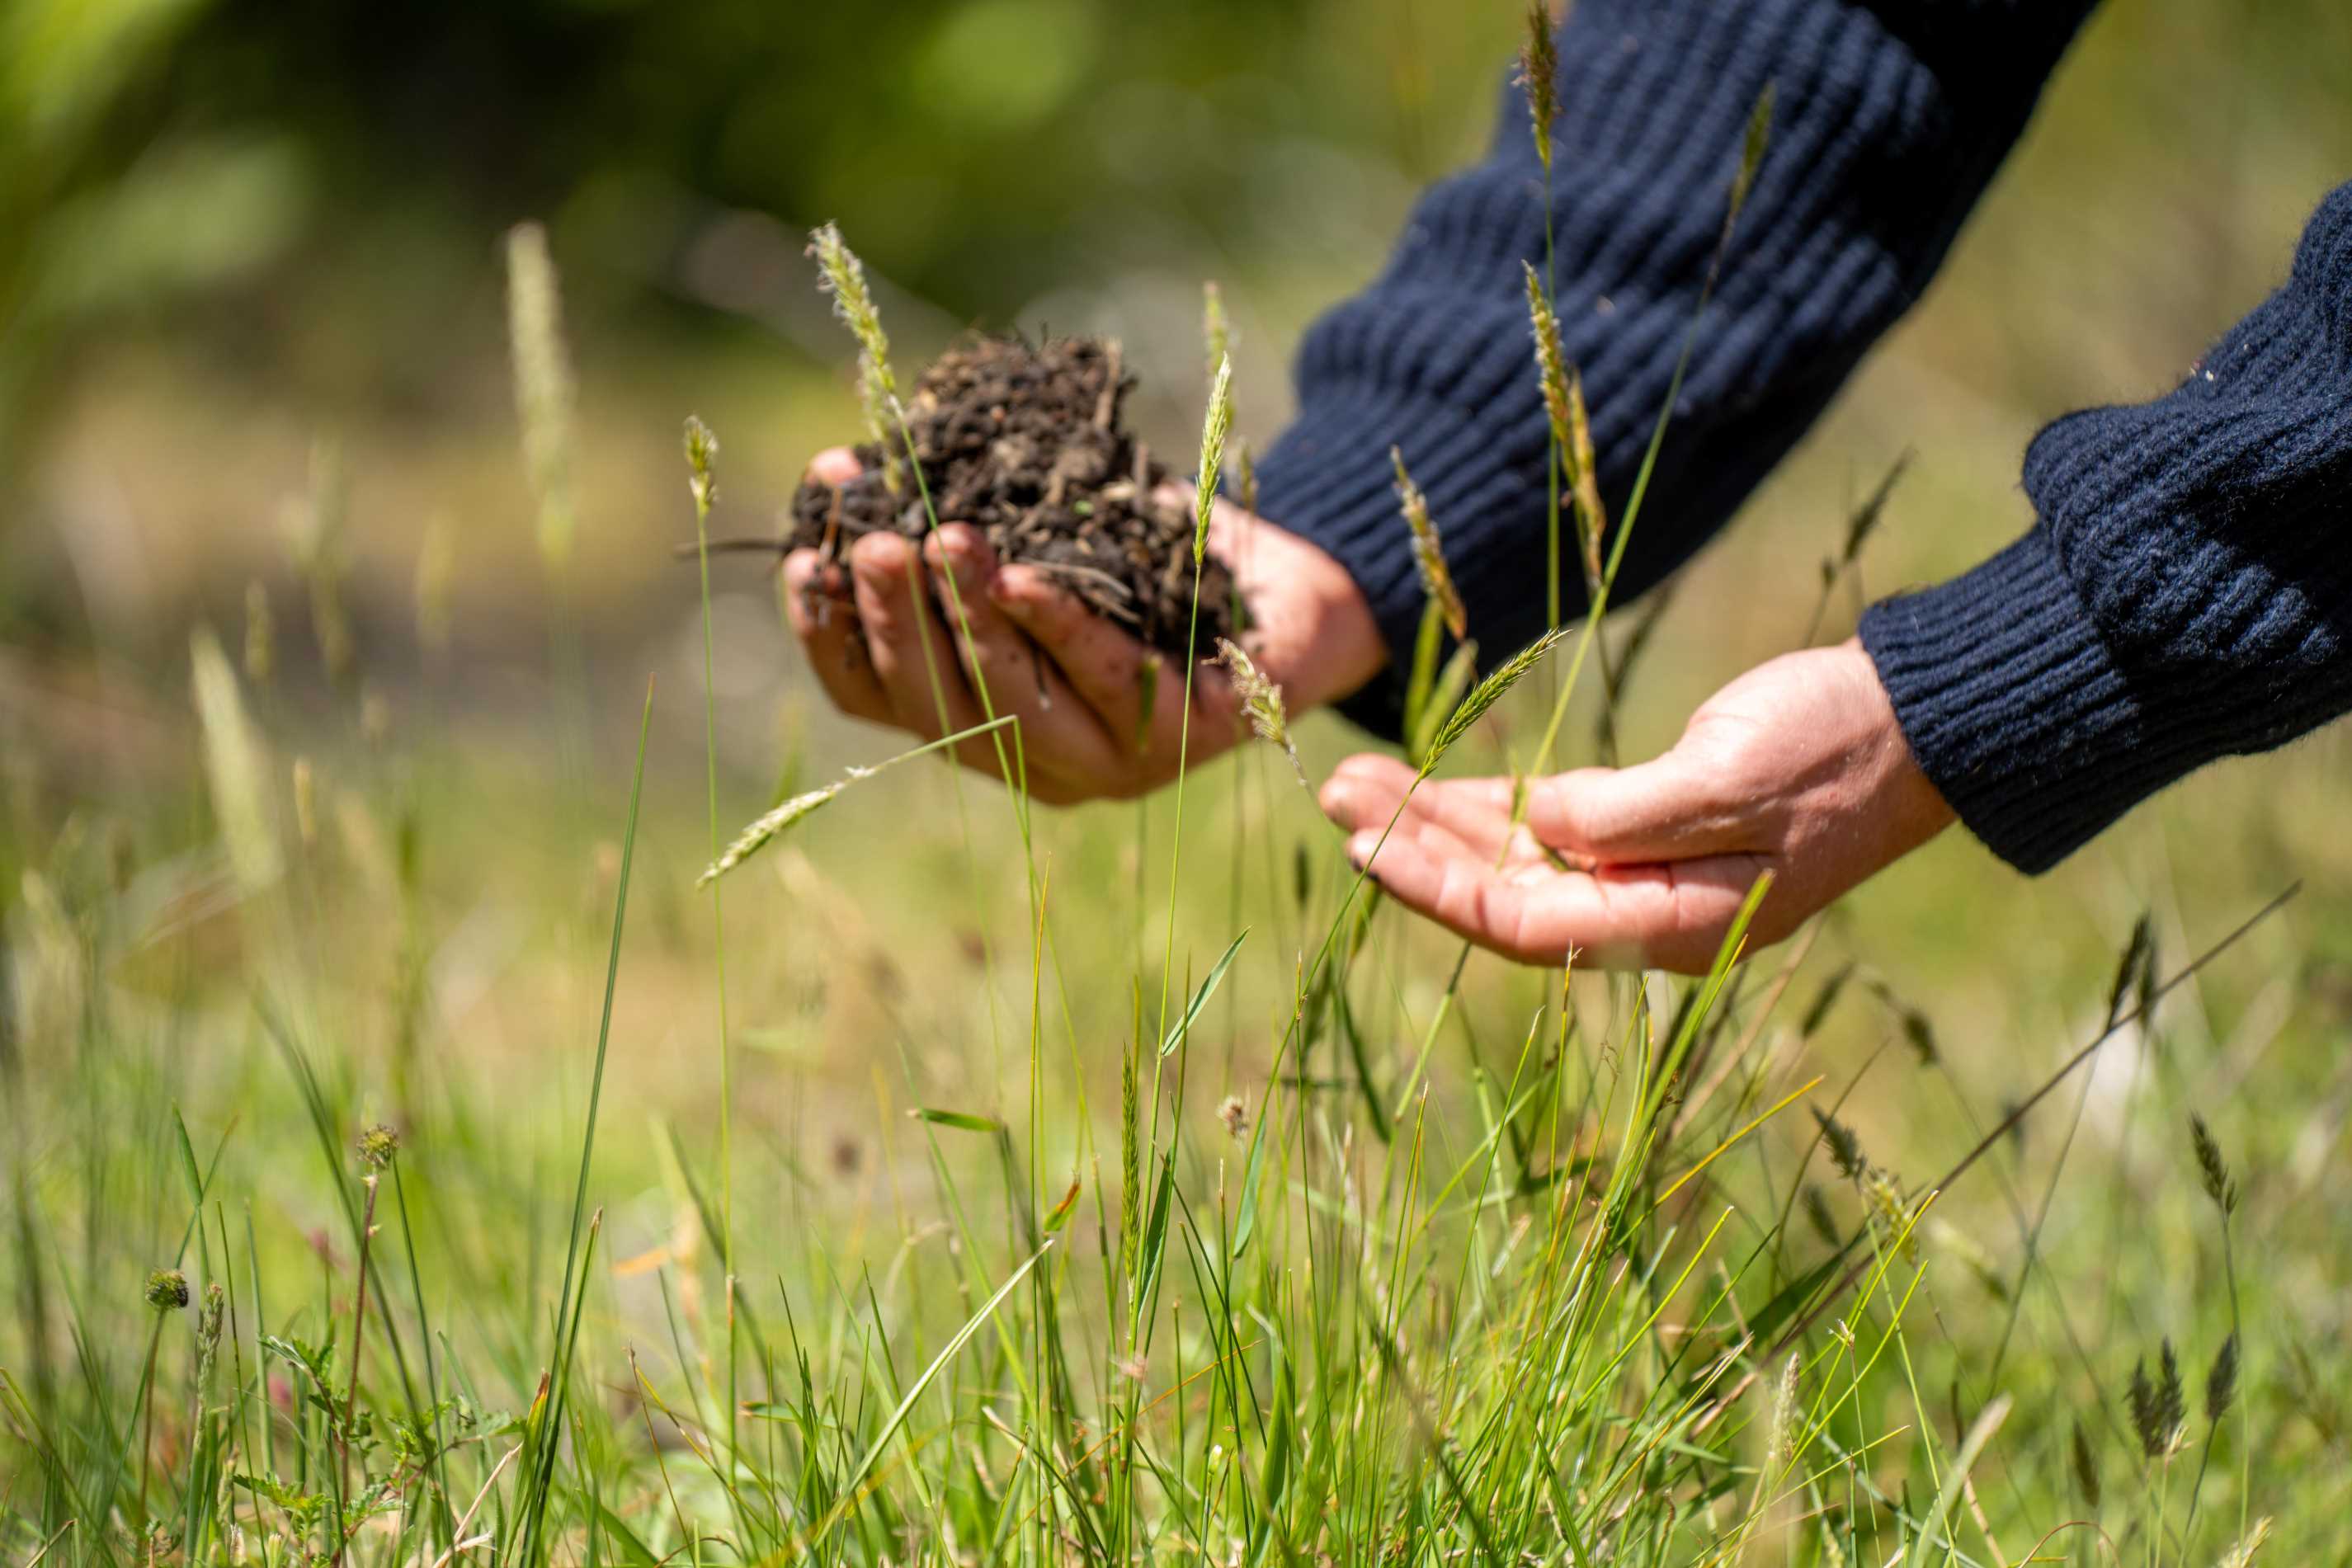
[1798, 767]
[1074, 679]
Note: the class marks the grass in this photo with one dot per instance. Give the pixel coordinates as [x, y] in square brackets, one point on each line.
[1357, 1248]
[1539, 1317]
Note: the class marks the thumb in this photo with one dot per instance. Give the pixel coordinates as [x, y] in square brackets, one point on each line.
[1672, 808]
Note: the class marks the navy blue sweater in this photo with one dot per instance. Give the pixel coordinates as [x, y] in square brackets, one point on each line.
[2182, 595]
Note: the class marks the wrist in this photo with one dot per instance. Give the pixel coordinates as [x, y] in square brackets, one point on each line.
[1915, 809]
[1310, 626]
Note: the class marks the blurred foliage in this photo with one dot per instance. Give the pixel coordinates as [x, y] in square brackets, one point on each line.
[983, 151]
[980, 152]
[230, 228]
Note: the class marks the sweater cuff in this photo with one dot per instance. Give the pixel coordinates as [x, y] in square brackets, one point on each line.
[2014, 706]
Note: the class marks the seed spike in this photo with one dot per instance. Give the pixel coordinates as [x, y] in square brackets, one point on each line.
[702, 457]
[2242, 1554]
[755, 837]
[1427, 553]
[1216, 424]
[2212, 1170]
[1752, 149]
[544, 386]
[1845, 1149]
[841, 275]
[1551, 362]
[2221, 1382]
[1539, 74]
[1584, 481]
[1261, 702]
[1486, 694]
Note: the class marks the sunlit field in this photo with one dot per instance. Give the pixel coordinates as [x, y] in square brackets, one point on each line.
[411, 1156]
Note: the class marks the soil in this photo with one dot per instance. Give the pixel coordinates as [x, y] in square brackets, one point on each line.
[1026, 443]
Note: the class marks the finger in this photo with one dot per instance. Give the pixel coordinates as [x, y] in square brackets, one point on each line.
[913, 660]
[1673, 808]
[835, 465]
[818, 601]
[1061, 733]
[1672, 916]
[1105, 665]
[1366, 791]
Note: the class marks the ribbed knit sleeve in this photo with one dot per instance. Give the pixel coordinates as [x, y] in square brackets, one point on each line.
[2186, 593]
[1892, 116]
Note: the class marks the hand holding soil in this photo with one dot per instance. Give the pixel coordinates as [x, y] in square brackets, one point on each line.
[1056, 578]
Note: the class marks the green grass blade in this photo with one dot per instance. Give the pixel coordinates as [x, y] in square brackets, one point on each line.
[1183, 1026]
[849, 1488]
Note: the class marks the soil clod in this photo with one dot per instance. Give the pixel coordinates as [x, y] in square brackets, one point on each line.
[1026, 443]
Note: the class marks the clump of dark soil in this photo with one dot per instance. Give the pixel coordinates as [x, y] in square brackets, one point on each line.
[1026, 443]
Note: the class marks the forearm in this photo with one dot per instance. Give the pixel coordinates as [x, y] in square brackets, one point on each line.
[2186, 593]
[1891, 118]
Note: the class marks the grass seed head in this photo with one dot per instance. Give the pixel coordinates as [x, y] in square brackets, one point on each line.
[1921, 1034]
[2127, 971]
[1261, 702]
[2212, 1170]
[2157, 1405]
[1845, 1149]
[2086, 1466]
[1886, 1195]
[1234, 1115]
[1428, 555]
[1753, 146]
[2242, 1556]
[755, 837]
[1818, 1215]
[1784, 1415]
[378, 1145]
[544, 391]
[1584, 482]
[1866, 519]
[841, 275]
[701, 458]
[1488, 693]
[167, 1291]
[1216, 424]
[2221, 1382]
[1539, 74]
[212, 1318]
[1551, 358]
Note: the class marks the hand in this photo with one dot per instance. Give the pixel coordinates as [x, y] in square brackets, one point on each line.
[1796, 767]
[1073, 679]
